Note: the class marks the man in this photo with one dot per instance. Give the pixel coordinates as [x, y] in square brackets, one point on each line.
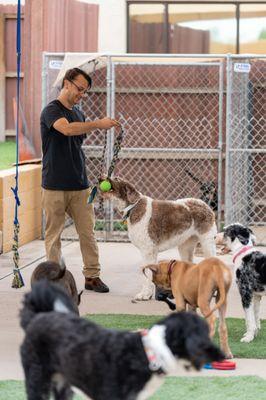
[64, 180]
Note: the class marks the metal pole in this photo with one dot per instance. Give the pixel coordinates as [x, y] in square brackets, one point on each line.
[220, 144]
[109, 139]
[111, 206]
[228, 141]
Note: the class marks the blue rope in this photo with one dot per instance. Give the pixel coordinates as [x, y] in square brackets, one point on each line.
[17, 279]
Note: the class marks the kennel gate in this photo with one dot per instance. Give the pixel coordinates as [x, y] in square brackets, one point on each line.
[178, 134]
[245, 199]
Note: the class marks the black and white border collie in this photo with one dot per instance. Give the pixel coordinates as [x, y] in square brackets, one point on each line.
[250, 266]
[62, 351]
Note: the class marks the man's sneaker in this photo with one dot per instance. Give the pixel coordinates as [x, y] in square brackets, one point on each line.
[96, 284]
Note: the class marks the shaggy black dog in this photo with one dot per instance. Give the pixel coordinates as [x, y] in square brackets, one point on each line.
[250, 274]
[61, 351]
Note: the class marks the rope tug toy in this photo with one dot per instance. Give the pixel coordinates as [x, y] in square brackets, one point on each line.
[105, 185]
[17, 279]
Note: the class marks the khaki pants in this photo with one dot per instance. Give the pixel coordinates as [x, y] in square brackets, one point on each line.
[55, 204]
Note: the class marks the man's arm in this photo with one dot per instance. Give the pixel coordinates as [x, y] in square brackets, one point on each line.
[79, 128]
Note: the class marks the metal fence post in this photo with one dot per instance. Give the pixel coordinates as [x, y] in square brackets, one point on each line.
[220, 144]
[228, 141]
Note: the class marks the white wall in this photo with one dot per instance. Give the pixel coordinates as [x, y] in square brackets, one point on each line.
[112, 32]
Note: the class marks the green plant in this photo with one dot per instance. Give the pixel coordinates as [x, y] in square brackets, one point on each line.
[7, 154]
[101, 225]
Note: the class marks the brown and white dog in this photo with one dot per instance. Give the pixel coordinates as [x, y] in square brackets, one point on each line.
[59, 274]
[194, 285]
[158, 225]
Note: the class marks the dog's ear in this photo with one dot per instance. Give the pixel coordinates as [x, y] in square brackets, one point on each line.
[252, 236]
[152, 267]
[132, 194]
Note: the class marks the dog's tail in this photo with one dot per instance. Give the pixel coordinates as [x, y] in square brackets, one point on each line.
[50, 270]
[221, 289]
[45, 296]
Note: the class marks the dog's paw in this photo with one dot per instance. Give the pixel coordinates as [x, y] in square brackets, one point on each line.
[228, 355]
[143, 296]
[247, 338]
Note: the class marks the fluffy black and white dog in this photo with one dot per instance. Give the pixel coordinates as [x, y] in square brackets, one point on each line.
[250, 267]
[62, 351]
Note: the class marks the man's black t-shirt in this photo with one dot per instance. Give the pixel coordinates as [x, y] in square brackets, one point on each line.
[63, 158]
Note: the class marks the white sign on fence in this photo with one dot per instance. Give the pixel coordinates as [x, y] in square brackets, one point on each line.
[242, 67]
[55, 64]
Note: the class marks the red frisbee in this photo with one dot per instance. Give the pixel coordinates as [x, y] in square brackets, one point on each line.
[225, 365]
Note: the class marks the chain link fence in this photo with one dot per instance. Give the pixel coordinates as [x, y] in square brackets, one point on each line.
[179, 139]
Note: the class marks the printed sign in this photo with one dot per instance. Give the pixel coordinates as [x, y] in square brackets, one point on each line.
[242, 67]
[55, 64]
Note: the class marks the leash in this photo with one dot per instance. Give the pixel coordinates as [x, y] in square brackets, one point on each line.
[95, 188]
[17, 278]
[116, 150]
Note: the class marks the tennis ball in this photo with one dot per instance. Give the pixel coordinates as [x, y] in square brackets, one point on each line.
[105, 186]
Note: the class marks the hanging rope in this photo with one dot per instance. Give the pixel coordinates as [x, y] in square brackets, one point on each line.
[116, 150]
[17, 279]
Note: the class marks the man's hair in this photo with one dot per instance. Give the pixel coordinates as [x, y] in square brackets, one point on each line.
[72, 73]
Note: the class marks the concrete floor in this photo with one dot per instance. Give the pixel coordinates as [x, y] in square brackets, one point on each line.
[120, 270]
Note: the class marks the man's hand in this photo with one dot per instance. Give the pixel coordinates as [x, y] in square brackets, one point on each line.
[106, 123]
[79, 128]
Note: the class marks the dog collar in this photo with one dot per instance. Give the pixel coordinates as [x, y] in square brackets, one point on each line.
[170, 268]
[242, 251]
[159, 355]
[154, 362]
[127, 210]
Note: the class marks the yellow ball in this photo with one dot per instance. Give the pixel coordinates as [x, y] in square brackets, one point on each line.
[105, 186]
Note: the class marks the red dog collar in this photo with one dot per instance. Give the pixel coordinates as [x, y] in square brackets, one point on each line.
[243, 250]
[170, 267]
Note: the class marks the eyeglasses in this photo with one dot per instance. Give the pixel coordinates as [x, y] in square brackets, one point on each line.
[81, 90]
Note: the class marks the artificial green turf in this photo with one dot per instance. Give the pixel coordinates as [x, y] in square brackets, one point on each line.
[7, 154]
[236, 329]
[203, 388]
[213, 388]
[207, 388]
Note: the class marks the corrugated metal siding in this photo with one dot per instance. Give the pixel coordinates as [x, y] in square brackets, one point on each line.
[72, 26]
[150, 38]
[10, 64]
[10, 43]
